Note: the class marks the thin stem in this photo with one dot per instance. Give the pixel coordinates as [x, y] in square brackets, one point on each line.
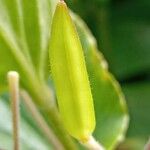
[40, 121]
[13, 81]
[92, 144]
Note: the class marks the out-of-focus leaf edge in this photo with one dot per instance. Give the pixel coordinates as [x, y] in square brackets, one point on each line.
[103, 65]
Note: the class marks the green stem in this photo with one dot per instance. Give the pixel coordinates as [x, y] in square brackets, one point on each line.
[40, 121]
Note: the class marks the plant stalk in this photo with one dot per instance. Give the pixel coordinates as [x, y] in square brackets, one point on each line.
[13, 81]
[92, 144]
[40, 121]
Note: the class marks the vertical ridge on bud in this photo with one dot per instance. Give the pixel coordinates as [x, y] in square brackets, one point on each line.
[70, 76]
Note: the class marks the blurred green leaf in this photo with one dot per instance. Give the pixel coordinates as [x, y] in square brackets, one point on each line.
[138, 96]
[129, 36]
[138, 99]
[111, 111]
[122, 29]
[24, 32]
[29, 138]
[123, 35]
[132, 144]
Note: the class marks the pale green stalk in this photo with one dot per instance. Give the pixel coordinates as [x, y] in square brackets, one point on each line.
[13, 81]
[40, 121]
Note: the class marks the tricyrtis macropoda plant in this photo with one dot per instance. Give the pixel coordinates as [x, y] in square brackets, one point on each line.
[17, 51]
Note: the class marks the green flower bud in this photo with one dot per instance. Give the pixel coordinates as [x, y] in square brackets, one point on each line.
[70, 76]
